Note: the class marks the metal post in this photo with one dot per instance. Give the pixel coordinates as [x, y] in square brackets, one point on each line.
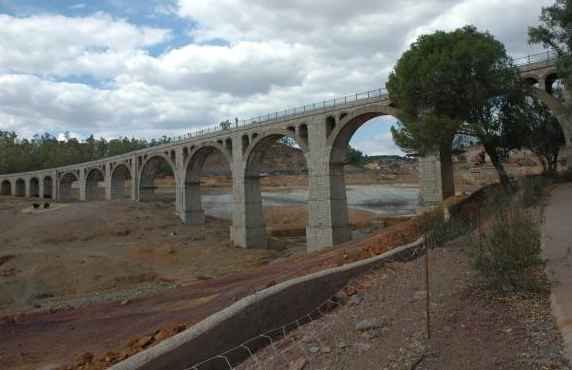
[427, 305]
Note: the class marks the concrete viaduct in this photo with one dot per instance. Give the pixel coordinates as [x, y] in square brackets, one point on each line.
[322, 131]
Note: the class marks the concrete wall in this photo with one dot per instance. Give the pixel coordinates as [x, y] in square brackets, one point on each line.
[254, 315]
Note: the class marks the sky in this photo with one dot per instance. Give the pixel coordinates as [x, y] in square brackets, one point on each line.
[167, 67]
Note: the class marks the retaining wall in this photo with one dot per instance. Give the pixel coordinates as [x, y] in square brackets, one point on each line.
[254, 315]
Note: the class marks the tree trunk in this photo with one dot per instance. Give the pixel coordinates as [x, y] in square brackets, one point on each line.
[503, 176]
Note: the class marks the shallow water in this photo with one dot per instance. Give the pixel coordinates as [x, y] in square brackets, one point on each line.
[383, 200]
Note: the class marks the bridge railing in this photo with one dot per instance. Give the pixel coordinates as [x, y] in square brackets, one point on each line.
[535, 58]
[258, 120]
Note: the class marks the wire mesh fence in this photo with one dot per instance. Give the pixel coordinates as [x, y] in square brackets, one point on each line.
[385, 309]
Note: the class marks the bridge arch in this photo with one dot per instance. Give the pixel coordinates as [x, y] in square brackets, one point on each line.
[341, 135]
[20, 188]
[65, 191]
[6, 188]
[34, 187]
[261, 143]
[48, 187]
[120, 174]
[156, 165]
[192, 207]
[92, 179]
[253, 215]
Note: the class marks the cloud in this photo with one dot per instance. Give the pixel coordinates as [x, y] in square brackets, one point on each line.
[246, 58]
[62, 46]
[77, 6]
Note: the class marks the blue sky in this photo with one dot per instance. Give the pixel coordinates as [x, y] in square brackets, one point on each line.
[149, 68]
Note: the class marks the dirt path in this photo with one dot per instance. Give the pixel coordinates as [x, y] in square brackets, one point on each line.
[47, 340]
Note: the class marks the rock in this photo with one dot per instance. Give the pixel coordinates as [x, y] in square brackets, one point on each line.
[46, 205]
[125, 301]
[172, 233]
[108, 357]
[355, 300]
[83, 358]
[342, 297]
[131, 342]
[326, 350]
[350, 290]
[36, 205]
[143, 342]
[369, 324]
[168, 333]
[315, 349]
[363, 346]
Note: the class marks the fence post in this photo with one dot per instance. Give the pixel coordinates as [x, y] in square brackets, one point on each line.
[427, 303]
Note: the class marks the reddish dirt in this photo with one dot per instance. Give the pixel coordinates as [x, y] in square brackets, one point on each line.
[53, 339]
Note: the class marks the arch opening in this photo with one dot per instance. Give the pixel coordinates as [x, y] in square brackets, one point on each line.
[369, 179]
[121, 182]
[6, 188]
[555, 86]
[532, 82]
[157, 181]
[47, 184]
[208, 186]
[330, 125]
[20, 190]
[94, 185]
[276, 192]
[34, 187]
[68, 189]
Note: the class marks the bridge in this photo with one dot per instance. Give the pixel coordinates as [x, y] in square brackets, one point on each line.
[322, 131]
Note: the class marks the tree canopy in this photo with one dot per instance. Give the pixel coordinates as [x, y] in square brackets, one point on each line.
[46, 151]
[459, 82]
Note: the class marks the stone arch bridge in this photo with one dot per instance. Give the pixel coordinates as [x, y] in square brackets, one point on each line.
[322, 131]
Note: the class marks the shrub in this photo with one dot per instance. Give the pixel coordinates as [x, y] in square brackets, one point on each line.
[507, 254]
[532, 190]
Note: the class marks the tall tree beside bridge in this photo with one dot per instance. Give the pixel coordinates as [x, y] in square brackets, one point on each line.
[459, 82]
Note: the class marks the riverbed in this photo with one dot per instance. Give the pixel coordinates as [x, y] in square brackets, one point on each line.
[382, 200]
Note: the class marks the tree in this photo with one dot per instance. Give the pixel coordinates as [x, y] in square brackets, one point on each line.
[45, 151]
[354, 156]
[544, 137]
[555, 33]
[459, 82]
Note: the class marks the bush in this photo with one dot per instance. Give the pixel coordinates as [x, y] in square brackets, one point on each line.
[507, 254]
[532, 190]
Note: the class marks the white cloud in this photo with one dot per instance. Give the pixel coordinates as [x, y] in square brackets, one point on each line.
[62, 46]
[77, 6]
[275, 55]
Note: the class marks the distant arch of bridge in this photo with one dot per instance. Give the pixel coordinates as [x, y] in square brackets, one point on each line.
[322, 131]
